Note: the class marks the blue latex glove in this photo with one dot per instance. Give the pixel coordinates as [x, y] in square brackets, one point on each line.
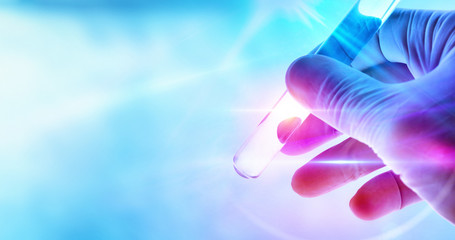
[397, 104]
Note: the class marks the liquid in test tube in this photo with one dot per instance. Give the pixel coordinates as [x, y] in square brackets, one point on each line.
[344, 44]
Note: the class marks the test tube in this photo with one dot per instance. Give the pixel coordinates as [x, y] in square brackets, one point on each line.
[345, 42]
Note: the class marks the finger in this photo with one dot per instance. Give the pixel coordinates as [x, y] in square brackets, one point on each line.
[393, 44]
[334, 168]
[309, 135]
[390, 39]
[314, 132]
[417, 38]
[345, 98]
[382, 195]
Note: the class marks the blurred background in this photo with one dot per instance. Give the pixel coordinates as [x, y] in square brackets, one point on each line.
[119, 120]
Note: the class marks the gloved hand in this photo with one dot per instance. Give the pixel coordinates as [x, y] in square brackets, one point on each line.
[397, 103]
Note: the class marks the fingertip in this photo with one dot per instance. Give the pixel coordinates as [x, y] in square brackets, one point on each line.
[293, 73]
[303, 184]
[303, 75]
[362, 207]
[377, 198]
[287, 127]
[311, 134]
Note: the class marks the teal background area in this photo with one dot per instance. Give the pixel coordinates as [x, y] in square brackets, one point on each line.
[119, 120]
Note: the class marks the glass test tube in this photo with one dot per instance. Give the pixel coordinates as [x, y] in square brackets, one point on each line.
[351, 35]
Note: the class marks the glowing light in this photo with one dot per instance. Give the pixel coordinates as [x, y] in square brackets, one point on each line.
[347, 162]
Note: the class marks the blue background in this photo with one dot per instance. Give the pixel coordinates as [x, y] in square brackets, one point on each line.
[119, 120]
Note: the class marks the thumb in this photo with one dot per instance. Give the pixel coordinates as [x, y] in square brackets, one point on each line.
[347, 99]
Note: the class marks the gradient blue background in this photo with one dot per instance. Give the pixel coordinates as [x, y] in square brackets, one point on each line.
[119, 120]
